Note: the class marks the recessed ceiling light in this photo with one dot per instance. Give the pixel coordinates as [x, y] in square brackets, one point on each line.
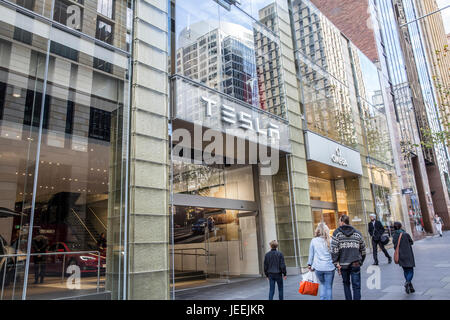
[16, 92]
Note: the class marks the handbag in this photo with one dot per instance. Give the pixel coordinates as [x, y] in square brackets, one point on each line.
[309, 285]
[384, 240]
[397, 251]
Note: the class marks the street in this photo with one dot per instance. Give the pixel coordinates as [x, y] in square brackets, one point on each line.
[431, 279]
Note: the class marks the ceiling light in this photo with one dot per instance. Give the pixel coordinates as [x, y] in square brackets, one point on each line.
[16, 92]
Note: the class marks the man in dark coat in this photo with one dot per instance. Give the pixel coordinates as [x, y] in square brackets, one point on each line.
[275, 269]
[405, 254]
[376, 230]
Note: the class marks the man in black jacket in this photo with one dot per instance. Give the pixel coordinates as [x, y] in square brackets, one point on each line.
[348, 251]
[376, 230]
[275, 269]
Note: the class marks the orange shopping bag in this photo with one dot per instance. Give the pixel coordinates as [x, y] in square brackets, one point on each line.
[309, 285]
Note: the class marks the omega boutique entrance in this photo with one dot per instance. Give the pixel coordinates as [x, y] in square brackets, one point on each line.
[213, 245]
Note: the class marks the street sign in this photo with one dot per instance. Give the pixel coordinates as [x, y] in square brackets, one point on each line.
[407, 191]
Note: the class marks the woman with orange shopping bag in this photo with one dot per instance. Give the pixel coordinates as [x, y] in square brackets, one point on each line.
[320, 261]
[309, 284]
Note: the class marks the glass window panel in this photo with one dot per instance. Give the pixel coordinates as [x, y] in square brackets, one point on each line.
[235, 182]
[21, 88]
[78, 194]
[106, 7]
[321, 189]
[229, 51]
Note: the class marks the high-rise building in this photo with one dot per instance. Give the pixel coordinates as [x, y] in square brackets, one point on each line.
[378, 36]
[412, 39]
[436, 45]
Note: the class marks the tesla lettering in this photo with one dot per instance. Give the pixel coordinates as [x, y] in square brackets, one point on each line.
[245, 120]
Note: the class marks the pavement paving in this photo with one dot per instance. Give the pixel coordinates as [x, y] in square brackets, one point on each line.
[431, 279]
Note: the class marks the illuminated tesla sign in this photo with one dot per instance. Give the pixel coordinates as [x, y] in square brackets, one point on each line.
[243, 119]
[211, 109]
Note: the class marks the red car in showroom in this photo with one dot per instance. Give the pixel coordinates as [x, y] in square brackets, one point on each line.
[88, 262]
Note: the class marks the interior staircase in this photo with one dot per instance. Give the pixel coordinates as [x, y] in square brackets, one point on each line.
[83, 230]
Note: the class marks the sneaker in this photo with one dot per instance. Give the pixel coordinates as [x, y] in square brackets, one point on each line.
[407, 288]
[411, 288]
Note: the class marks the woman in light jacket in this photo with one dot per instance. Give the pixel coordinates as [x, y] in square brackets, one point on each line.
[320, 261]
[406, 255]
[439, 223]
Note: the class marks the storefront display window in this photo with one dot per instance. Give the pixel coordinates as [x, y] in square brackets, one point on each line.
[321, 189]
[219, 181]
[61, 157]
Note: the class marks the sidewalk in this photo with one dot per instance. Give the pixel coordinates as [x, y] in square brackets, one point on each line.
[431, 279]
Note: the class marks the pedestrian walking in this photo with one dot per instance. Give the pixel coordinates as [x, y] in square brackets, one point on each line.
[376, 230]
[438, 223]
[275, 269]
[348, 251]
[320, 261]
[404, 254]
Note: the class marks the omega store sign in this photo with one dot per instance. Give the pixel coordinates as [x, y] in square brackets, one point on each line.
[209, 108]
[333, 154]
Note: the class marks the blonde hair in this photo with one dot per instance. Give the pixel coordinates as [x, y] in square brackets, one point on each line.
[323, 232]
[273, 244]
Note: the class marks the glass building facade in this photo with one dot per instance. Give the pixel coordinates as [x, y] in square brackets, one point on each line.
[122, 124]
[63, 118]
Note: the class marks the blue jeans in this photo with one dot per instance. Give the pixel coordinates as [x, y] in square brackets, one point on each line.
[326, 284]
[409, 273]
[279, 280]
[353, 274]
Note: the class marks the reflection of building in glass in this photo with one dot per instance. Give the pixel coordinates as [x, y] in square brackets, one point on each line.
[223, 59]
[270, 88]
[61, 111]
[326, 72]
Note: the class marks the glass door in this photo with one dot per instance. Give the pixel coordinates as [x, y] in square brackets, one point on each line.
[248, 244]
[220, 228]
[231, 245]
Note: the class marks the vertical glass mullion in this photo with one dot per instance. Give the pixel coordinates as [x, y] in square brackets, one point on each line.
[36, 169]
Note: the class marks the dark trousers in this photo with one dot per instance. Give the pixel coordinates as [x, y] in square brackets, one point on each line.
[376, 243]
[352, 274]
[275, 278]
[39, 270]
[409, 274]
